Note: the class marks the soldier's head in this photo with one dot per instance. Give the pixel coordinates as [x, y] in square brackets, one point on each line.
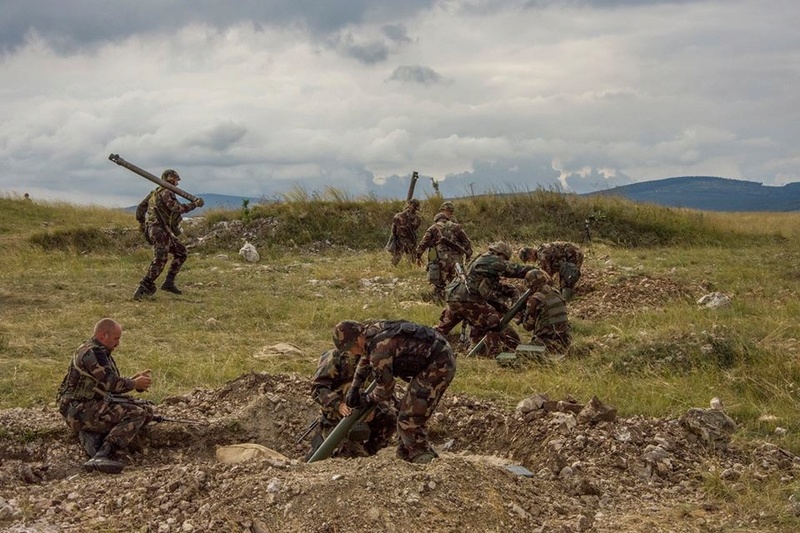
[413, 204]
[448, 207]
[170, 176]
[347, 335]
[502, 249]
[107, 332]
[440, 217]
[536, 279]
[527, 254]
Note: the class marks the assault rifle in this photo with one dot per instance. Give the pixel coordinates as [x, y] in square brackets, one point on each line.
[510, 314]
[121, 398]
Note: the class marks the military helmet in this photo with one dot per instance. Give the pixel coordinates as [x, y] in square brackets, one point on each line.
[440, 216]
[169, 173]
[447, 206]
[536, 278]
[527, 254]
[414, 203]
[346, 333]
[501, 248]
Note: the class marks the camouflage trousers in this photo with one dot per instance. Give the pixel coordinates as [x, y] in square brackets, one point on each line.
[555, 340]
[120, 422]
[382, 424]
[164, 243]
[405, 247]
[423, 394]
[440, 273]
[484, 320]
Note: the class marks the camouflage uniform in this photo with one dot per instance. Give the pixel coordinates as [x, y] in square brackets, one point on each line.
[335, 372]
[404, 233]
[160, 213]
[81, 398]
[550, 255]
[416, 354]
[482, 301]
[446, 244]
[545, 316]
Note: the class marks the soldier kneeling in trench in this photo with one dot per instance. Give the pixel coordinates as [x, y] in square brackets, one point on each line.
[85, 399]
[329, 388]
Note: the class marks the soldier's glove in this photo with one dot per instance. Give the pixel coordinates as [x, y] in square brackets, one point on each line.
[353, 398]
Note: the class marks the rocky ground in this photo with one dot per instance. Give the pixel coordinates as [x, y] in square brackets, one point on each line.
[550, 465]
[581, 471]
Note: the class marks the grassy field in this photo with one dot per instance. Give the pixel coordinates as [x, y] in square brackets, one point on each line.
[63, 267]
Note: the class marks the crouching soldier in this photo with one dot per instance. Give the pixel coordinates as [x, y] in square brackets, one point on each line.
[331, 382]
[399, 349]
[558, 257]
[103, 426]
[545, 314]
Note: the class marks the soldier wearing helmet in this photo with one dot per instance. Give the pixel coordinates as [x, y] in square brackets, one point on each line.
[558, 257]
[417, 354]
[404, 233]
[545, 314]
[446, 244]
[482, 299]
[448, 209]
[159, 216]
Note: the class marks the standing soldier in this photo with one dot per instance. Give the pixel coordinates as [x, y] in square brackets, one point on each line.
[400, 349]
[482, 299]
[103, 426]
[446, 244]
[334, 374]
[159, 216]
[558, 257]
[404, 233]
[545, 314]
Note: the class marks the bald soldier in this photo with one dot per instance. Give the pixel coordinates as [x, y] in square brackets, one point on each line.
[103, 426]
[399, 349]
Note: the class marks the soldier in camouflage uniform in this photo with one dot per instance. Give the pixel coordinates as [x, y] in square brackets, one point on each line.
[483, 299]
[558, 257]
[103, 426]
[159, 216]
[545, 314]
[335, 372]
[446, 244]
[404, 233]
[448, 210]
[400, 349]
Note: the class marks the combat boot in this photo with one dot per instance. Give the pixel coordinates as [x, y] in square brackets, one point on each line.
[102, 461]
[91, 441]
[169, 285]
[146, 288]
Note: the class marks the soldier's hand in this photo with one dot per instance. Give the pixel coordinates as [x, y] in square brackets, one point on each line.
[142, 380]
[353, 398]
[198, 202]
[344, 410]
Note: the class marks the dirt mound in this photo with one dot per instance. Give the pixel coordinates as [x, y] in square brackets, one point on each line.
[499, 470]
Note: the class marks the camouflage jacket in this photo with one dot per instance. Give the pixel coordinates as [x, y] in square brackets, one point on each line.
[484, 273]
[162, 207]
[549, 255]
[396, 348]
[448, 239]
[92, 374]
[334, 374]
[545, 311]
[405, 225]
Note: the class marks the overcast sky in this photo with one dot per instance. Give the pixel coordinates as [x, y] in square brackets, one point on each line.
[255, 97]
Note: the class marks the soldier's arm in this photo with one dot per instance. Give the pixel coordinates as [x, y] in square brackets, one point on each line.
[382, 359]
[426, 241]
[531, 313]
[172, 203]
[95, 363]
[465, 243]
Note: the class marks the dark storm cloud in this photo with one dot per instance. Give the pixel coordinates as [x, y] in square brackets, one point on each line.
[85, 22]
[417, 74]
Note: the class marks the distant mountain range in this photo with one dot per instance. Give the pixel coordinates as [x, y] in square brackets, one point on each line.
[705, 193]
[709, 193]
